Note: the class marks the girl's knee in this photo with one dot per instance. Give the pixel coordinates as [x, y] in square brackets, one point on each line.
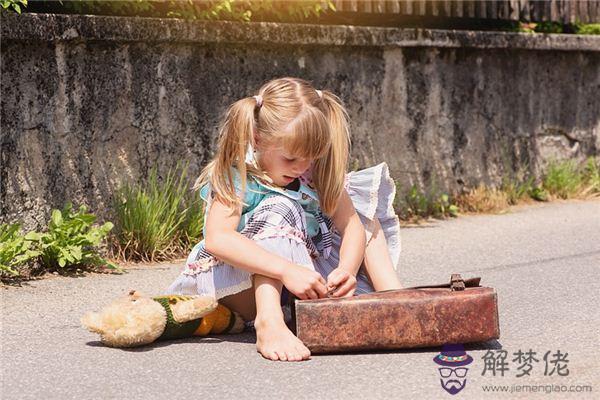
[262, 279]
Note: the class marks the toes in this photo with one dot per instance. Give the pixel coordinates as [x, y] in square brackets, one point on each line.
[281, 355]
[284, 348]
[306, 354]
[269, 355]
[303, 351]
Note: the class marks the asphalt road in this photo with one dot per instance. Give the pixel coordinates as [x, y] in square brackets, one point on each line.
[543, 260]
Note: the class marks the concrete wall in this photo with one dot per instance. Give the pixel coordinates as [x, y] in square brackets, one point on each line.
[90, 102]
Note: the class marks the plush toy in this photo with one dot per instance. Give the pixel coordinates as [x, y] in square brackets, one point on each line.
[136, 320]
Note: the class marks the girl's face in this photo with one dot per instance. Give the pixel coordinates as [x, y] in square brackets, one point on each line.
[281, 166]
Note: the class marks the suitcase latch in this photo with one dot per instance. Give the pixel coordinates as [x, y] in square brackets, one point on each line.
[456, 283]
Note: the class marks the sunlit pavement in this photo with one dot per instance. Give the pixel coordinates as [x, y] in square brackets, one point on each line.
[543, 260]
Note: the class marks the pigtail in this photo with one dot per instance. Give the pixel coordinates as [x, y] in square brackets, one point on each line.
[309, 123]
[234, 135]
[329, 171]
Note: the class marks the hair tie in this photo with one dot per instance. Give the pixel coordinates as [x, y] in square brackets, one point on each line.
[320, 93]
[259, 100]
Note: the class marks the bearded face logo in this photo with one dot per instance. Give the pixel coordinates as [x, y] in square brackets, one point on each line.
[452, 370]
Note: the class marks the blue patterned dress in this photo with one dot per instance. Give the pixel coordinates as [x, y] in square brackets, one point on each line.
[289, 222]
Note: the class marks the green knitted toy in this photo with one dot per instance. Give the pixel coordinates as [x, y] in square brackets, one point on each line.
[136, 320]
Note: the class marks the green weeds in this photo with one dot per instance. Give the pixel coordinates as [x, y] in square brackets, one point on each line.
[415, 205]
[567, 179]
[157, 220]
[562, 179]
[67, 245]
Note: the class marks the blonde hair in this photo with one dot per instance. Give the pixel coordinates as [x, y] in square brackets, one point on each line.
[294, 115]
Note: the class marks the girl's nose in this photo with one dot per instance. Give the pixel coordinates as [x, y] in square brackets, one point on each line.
[301, 167]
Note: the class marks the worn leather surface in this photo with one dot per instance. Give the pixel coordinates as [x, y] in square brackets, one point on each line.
[396, 319]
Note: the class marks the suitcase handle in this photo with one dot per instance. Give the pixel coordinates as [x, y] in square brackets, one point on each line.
[457, 283]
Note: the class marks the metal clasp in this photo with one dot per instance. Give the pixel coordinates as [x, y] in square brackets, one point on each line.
[456, 283]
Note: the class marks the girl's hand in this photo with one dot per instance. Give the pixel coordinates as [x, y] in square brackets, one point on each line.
[341, 283]
[304, 283]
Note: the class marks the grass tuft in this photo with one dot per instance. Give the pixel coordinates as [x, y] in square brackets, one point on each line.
[157, 220]
[486, 200]
[563, 179]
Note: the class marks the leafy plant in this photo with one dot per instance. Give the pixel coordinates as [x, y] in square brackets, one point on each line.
[232, 10]
[538, 193]
[70, 240]
[245, 10]
[444, 207]
[549, 27]
[15, 249]
[157, 220]
[554, 27]
[222, 9]
[415, 204]
[15, 5]
[587, 29]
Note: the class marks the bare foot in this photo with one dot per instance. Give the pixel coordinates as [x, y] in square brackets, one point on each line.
[276, 342]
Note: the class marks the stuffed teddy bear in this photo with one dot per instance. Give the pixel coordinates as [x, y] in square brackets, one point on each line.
[136, 320]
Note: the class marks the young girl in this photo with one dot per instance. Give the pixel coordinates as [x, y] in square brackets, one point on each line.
[282, 214]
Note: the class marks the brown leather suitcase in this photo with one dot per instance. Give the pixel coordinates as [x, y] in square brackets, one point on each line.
[457, 312]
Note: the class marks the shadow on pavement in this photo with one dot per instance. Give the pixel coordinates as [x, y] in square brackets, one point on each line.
[240, 338]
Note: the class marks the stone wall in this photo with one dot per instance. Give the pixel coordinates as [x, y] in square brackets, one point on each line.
[91, 102]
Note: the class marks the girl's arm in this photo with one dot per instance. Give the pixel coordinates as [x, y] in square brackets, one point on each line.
[352, 232]
[225, 243]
